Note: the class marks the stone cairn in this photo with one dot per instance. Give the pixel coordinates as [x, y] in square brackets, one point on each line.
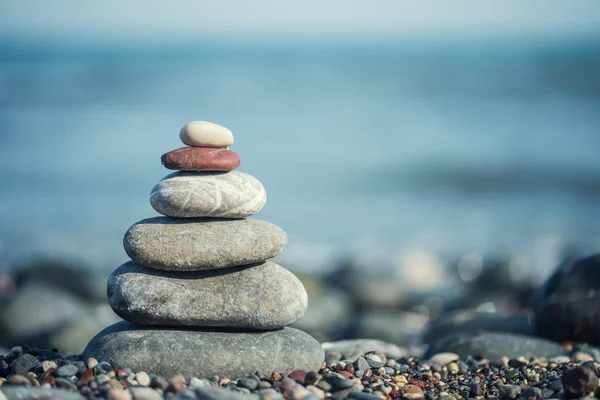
[200, 298]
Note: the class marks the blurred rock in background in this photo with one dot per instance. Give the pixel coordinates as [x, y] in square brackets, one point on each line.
[54, 305]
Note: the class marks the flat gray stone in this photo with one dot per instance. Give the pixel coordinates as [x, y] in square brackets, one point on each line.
[494, 346]
[354, 348]
[36, 393]
[181, 244]
[208, 194]
[204, 353]
[264, 296]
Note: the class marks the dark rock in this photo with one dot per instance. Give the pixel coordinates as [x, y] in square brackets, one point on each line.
[555, 386]
[81, 367]
[338, 382]
[579, 382]
[494, 346]
[4, 368]
[516, 363]
[475, 390]
[311, 378]
[567, 306]
[363, 396]
[233, 353]
[510, 392]
[46, 355]
[158, 382]
[532, 393]
[547, 393]
[24, 364]
[64, 383]
[248, 383]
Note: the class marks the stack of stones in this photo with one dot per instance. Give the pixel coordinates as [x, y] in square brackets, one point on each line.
[200, 297]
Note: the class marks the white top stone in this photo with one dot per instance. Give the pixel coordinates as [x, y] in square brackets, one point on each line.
[205, 134]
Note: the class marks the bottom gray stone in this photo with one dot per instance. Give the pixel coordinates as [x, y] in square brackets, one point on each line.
[204, 353]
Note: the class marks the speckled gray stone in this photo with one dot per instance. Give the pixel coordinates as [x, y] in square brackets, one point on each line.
[208, 194]
[182, 244]
[204, 353]
[264, 296]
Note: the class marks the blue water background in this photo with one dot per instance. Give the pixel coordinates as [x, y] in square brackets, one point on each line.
[367, 150]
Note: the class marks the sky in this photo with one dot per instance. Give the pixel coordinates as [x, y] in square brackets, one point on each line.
[305, 18]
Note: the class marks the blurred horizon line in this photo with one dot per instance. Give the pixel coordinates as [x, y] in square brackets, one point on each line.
[494, 43]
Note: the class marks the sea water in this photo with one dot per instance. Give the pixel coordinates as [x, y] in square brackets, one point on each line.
[366, 150]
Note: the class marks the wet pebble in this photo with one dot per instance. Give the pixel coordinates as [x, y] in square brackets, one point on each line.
[66, 371]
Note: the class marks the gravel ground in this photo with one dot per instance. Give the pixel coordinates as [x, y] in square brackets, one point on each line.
[371, 376]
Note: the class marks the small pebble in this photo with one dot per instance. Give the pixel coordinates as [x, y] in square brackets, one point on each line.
[66, 371]
[102, 379]
[46, 365]
[119, 394]
[142, 378]
[205, 134]
[91, 362]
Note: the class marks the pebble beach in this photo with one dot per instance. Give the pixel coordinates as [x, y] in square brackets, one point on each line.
[354, 375]
[201, 311]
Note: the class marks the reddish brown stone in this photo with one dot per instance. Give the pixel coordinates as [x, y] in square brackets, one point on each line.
[201, 159]
[47, 376]
[298, 375]
[87, 376]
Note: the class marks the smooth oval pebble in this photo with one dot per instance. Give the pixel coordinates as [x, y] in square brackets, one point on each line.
[205, 134]
[264, 296]
[186, 244]
[201, 159]
[203, 352]
[208, 194]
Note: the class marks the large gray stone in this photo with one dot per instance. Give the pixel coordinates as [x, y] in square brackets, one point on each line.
[567, 305]
[204, 353]
[264, 296]
[179, 244]
[208, 194]
[494, 346]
